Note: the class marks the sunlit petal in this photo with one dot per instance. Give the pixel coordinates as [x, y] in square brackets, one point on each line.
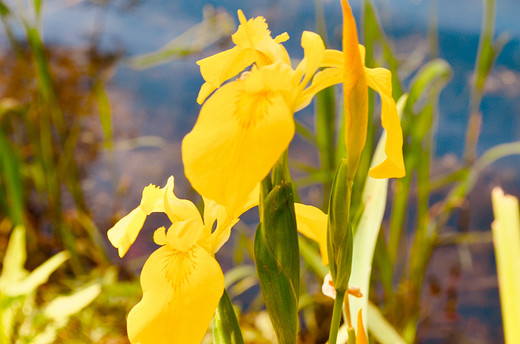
[321, 80]
[178, 209]
[361, 336]
[380, 80]
[355, 92]
[353, 66]
[125, 231]
[312, 222]
[221, 67]
[181, 291]
[238, 137]
[183, 234]
[314, 50]
[159, 236]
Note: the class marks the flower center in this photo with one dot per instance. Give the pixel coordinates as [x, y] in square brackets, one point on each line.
[251, 108]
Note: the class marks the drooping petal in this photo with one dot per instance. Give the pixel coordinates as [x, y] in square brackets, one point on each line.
[312, 222]
[241, 132]
[380, 80]
[220, 67]
[181, 291]
[126, 230]
[178, 209]
[123, 234]
[321, 80]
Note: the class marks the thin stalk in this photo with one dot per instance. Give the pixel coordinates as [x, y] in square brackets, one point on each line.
[336, 318]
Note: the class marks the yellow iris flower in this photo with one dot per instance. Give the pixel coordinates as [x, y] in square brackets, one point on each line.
[246, 125]
[356, 79]
[253, 44]
[182, 282]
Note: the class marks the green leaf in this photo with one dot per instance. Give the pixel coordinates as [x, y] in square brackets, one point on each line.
[105, 114]
[279, 295]
[380, 328]
[14, 259]
[10, 173]
[226, 329]
[63, 307]
[39, 276]
[339, 229]
[367, 232]
[278, 263]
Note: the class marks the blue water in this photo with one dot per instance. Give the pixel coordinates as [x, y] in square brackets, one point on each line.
[148, 25]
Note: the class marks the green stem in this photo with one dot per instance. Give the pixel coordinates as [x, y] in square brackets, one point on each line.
[336, 317]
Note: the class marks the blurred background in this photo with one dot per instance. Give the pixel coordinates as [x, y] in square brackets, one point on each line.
[96, 96]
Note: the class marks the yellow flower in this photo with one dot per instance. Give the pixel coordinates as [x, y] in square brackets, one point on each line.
[253, 44]
[182, 282]
[246, 125]
[356, 78]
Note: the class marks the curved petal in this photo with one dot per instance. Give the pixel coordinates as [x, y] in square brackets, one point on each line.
[179, 209]
[321, 80]
[314, 50]
[238, 137]
[181, 291]
[312, 222]
[220, 67]
[125, 231]
[159, 236]
[183, 234]
[213, 241]
[123, 234]
[380, 80]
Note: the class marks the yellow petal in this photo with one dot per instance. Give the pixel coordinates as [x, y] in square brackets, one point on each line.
[355, 92]
[333, 58]
[152, 200]
[181, 291]
[183, 234]
[361, 336]
[159, 236]
[250, 31]
[213, 241]
[314, 50]
[356, 123]
[353, 66]
[321, 80]
[312, 222]
[125, 231]
[179, 209]
[221, 67]
[380, 80]
[254, 35]
[238, 137]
